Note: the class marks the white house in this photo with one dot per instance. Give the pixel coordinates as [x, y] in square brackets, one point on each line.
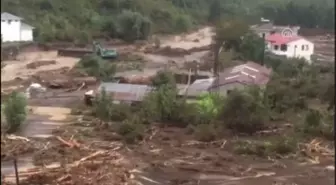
[14, 30]
[289, 46]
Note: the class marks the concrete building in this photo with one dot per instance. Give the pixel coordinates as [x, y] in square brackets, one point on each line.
[289, 46]
[13, 29]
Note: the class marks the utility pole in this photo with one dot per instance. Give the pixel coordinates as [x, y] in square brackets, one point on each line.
[263, 52]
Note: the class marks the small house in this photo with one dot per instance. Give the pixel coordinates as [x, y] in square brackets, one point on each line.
[13, 29]
[289, 46]
[125, 93]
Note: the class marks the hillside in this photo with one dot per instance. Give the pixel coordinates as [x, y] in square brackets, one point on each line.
[80, 20]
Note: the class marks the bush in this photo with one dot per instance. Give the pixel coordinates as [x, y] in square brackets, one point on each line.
[284, 145]
[15, 111]
[243, 112]
[252, 148]
[278, 146]
[120, 112]
[318, 124]
[95, 66]
[205, 132]
[131, 129]
[164, 78]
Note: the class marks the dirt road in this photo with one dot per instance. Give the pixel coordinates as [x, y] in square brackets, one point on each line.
[14, 69]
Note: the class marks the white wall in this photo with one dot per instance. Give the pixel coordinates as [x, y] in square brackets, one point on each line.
[10, 31]
[26, 34]
[301, 50]
[294, 49]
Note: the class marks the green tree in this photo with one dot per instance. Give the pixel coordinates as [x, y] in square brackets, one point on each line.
[214, 11]
[252, 47]
[228, 35]
[15, 111]
[134, 25]
[183, 23]
[164, 78]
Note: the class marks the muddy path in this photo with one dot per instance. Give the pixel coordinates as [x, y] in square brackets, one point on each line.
[40, 123]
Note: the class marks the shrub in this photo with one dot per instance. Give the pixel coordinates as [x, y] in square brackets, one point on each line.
[15, 111]
[95, 66]
[243, 112]
[205, 132]
[131, 129]
[318, 124]
[120, 112]
[278, 146]
[284, 145]
[164, 78]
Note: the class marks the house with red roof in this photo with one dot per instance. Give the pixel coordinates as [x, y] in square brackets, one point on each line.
[291, 46]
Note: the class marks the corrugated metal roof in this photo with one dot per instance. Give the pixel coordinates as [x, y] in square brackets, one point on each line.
[249, 73]
[126, 92]
[198, 87]
[8, 16]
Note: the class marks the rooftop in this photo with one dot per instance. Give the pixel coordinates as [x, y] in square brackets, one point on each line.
[271, 27]
[250, 73]
[279, 39]
[26, 26]
[198, 87]
[8, 16]
[125, 92]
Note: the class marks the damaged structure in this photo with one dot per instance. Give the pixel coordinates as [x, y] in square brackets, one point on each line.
[124, 93]
[237, 77]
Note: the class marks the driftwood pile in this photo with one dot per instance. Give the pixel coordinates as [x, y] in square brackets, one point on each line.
[103, 167]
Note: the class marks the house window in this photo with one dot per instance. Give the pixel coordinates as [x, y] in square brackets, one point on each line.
[283, 47]
[302, 47]
[263, 35]
[307, 47]
[9, 21]
[276, 47]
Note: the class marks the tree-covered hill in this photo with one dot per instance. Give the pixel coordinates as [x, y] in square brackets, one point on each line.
[81, 20]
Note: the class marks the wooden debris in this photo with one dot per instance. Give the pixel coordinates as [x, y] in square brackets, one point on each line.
[14, 137]
[72, 143]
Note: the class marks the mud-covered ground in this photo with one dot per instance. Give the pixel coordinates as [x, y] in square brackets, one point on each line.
[172, 156]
